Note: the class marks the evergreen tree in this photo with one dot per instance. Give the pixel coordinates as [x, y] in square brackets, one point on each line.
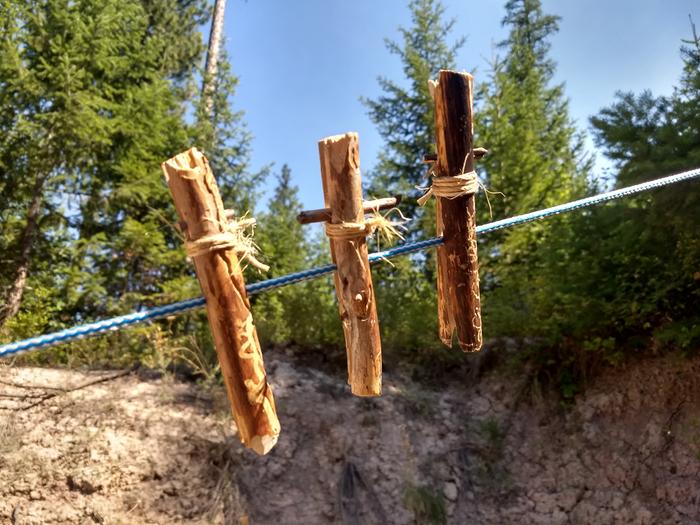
[282, 243]
[621, 278]
[86, 88]
[647, 137]
[93, 97]
[404, 116]
[304, 313]
[536, 160]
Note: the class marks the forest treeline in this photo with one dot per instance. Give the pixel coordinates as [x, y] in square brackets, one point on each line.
[94, 95]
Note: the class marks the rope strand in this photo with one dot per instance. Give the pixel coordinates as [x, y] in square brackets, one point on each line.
[116, 323]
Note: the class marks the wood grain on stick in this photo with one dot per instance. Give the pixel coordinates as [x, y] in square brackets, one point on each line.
[199, 206]
[459, 300]
[342, 191]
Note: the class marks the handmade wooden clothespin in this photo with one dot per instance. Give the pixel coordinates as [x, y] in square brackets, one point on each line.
[454, 184]
[347, 230]
[217, 248]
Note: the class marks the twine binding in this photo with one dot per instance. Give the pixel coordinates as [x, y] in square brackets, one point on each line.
[451, 187]
[454, 186]
[233, 237]
[377, 223]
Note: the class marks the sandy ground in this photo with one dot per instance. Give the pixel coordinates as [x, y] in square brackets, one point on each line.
[134, 448]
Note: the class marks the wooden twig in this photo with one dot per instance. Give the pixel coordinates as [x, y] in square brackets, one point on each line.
[479, 153]
[59, 392]
[199, 206]
[342, 191]
[459, 302]
[324, 214]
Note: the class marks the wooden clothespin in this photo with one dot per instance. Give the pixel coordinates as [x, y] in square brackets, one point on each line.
[213, 248]
[347, 230]
[459, 302]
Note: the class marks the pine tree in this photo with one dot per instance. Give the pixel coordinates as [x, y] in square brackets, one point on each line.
[404, 116]
[281, 241]
[93, 97]
[536, 160]
[524, 121]
[86, 88]
[656, 248]
[303, 313]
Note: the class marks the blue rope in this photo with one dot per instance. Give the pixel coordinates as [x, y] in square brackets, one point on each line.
[150, 314]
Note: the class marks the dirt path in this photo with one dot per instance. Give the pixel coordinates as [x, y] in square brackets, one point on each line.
[118, 447]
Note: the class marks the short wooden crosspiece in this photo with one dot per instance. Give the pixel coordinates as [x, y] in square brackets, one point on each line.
[347, 230]
[213, 249]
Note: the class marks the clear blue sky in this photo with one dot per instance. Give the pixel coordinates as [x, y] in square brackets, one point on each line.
[304, 64]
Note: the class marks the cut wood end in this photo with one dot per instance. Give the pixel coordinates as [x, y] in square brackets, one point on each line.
[470, 347]
[453, 72]
[186, 163]
[350, 135]
[432, 85]
[362, 390]
[263, 444]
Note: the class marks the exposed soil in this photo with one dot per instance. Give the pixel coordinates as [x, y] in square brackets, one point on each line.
[119, 447]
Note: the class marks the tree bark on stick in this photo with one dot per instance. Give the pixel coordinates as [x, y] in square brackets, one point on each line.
[199, 206]
[459, 302]
[342, 191]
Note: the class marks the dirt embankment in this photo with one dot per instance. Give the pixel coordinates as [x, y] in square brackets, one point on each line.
[108, 447]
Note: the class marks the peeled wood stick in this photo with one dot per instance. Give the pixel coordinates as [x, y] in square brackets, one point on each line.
[342, 191]
[199, 206]
[459, 302]
[324, 214]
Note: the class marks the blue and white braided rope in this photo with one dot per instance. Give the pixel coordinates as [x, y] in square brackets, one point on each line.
[116, 323]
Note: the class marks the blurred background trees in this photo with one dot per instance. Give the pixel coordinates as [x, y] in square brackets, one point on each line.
[95, 94]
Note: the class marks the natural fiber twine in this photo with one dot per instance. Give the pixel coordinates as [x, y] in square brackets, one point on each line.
[454, 186]
[378, 223]
[233, 237]
[451, 187]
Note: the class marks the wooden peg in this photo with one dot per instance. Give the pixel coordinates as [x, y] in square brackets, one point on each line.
[199, 206]
[342, 192]
[459, 302]
[479, 153]
[324, 214]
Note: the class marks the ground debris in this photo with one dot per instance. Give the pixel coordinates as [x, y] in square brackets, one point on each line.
[106, 447]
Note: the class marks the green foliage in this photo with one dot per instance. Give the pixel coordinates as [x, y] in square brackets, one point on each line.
[535, 158]
[622, 279]
[404, 115]
[648, 137]
[304, 314]
[94, 95]
[427, 505]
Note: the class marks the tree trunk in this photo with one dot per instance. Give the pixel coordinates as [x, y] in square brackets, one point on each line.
[209, 82]
[13, 296]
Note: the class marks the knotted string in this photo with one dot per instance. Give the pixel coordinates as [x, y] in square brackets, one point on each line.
[384, 227]
[234, 237]
[451, 187]
[454, 186]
